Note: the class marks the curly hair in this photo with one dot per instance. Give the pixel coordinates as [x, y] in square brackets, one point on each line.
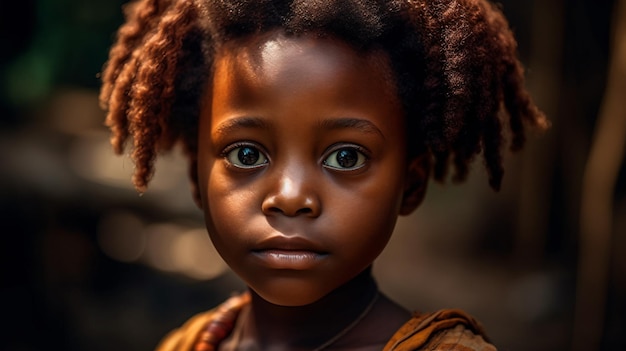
[454, 61]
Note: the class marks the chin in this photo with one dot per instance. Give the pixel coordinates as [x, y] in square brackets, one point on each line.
[289, 292]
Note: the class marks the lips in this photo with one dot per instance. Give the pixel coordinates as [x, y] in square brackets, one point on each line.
[293, 252]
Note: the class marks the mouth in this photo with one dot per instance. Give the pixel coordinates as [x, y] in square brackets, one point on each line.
[289, 259]
[294, 253]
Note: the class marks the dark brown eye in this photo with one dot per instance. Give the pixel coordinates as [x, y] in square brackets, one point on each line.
[246, 157]
[346, 158]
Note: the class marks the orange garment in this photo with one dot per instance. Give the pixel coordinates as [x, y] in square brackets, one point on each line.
[444, 330]
[448, 329]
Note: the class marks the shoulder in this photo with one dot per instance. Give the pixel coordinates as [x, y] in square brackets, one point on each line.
[459, 338]
[208, 327]
[184, 337]
[450, 330]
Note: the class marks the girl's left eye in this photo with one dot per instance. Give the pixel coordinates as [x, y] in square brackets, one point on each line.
[246, 156]
[345, 159]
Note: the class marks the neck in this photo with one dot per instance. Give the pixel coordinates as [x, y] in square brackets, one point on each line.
[271, 326]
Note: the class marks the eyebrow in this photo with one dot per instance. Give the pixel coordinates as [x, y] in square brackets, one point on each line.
[361, 125]
[234, 124]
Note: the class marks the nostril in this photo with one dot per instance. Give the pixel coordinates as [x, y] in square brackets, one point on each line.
[275, 210]
[304, 211]
[290, 206]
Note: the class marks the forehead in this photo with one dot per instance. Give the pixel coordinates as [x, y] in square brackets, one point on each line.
[274, 56]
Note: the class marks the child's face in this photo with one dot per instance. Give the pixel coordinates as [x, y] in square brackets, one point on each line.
[302, 163]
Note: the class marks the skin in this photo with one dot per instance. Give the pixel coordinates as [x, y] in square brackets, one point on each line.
[303, 170]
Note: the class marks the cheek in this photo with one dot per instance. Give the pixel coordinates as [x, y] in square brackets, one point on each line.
[214, 193]
[365, 233]
[229, 209]
[367, 216]
[373, 223]
[220, 201]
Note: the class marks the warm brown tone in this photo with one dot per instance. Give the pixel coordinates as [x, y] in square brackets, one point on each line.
[454, 62]
[447, 329]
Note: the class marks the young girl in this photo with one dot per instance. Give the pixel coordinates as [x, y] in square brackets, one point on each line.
[309, 126]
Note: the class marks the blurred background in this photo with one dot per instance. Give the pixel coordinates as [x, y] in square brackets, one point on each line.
[88, 264]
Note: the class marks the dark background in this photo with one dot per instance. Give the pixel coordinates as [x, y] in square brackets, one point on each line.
[88, 264]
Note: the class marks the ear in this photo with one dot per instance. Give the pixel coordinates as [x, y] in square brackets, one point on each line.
[418, 172]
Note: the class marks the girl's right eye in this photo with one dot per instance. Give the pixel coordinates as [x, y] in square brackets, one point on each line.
[246, 156]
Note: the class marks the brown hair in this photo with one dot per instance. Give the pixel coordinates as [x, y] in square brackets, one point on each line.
[455, 64]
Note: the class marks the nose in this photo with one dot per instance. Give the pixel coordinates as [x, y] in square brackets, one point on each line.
[293, 195]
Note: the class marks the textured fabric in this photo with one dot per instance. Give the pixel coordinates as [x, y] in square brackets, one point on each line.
[444, 330]
[205, 330]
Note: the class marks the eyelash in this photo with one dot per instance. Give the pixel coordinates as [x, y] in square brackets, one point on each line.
[226, 154]
[362, 156]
